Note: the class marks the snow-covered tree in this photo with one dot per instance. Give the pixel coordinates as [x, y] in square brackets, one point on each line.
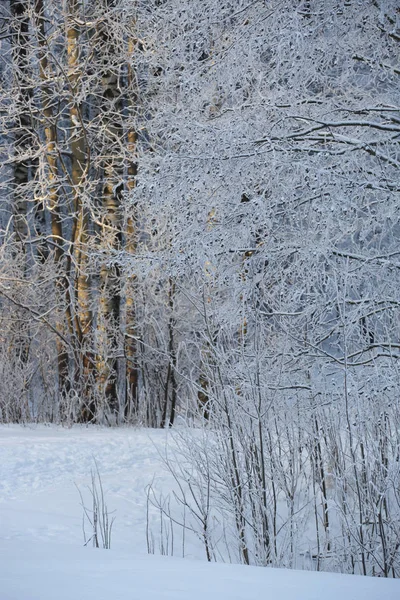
[273, 156]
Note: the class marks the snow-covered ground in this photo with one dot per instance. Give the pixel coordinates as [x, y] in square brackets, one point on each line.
[40, 571]
[41, 467]
[41, 541]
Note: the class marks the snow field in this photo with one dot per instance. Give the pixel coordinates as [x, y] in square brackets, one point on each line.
[41, 539]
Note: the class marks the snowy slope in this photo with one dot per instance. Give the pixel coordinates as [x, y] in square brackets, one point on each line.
[55, 572]
[41, 553]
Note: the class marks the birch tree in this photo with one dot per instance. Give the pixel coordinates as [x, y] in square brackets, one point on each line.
[75, 123]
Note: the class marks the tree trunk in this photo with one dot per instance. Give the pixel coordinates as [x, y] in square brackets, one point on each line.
[52, 199]
[22, 164]
[131, 349]
[80, 230]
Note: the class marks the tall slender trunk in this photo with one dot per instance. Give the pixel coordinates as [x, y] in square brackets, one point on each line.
[22, 170]
[52, 196]
[131, 349]
[80, 230]
[111, 116]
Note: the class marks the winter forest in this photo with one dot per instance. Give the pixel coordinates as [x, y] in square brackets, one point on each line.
[200, 230]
